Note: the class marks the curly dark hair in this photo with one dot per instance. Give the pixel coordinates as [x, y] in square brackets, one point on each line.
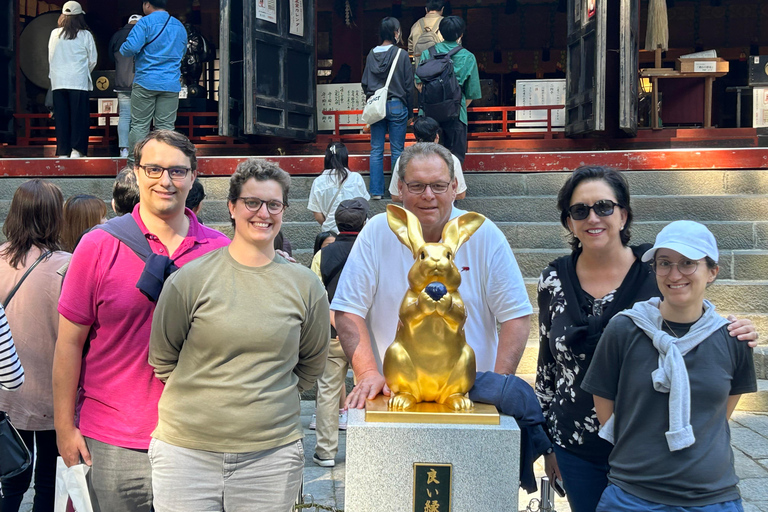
[260, 170]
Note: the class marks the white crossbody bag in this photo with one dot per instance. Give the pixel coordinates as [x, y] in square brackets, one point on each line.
[376, 106]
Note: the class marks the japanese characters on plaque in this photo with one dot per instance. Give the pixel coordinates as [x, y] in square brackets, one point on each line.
[432, 487]
[339, 97]
[532, 93]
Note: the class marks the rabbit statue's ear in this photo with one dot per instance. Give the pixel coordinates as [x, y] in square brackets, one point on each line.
[406, 227]
[458, 230]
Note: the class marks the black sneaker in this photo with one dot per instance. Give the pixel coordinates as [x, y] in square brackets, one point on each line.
[326, 463]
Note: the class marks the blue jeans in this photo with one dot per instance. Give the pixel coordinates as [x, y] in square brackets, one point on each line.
[124, 121]
[616, 500]
[584, 481]
[395, 123]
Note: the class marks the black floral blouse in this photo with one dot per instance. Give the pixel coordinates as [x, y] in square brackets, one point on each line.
[571, 419]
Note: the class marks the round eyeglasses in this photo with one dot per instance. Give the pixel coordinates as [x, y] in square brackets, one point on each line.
[254, 204]
[602, 208]
[664, 267]
[155, 171]
[438, 187]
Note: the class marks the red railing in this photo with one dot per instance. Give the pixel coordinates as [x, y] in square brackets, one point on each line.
[43, 132]
[200, 127]
[501, 125]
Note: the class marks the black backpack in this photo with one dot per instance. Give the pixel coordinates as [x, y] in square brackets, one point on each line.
[440, 96]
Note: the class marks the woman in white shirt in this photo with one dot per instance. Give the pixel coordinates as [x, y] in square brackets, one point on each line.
[336, 184]
[71, 57]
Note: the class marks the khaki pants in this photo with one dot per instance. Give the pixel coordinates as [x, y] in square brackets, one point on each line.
[185, 480]
[329, 388]
[148, 106]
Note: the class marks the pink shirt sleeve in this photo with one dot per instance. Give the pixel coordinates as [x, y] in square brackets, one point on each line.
[80, 288]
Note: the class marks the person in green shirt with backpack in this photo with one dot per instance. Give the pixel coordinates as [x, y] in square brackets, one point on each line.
[452, 117]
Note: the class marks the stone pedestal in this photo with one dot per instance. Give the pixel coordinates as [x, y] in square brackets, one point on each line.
[380, 458]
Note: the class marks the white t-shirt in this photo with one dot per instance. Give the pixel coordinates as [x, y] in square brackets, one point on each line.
[456, 172]
[71, 61]
[375, 279]
[324, 189]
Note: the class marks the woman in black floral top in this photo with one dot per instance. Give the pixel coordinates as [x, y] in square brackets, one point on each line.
[577, 295]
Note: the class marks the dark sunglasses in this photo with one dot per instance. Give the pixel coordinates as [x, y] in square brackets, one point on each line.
[603, 208]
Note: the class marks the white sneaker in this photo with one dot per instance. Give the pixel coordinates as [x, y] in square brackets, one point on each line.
[313, 422]
[326, 463]
[75, 154]
[342, 419]
[123, 152]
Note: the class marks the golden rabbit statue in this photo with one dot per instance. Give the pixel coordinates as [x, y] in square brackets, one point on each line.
[430, 360]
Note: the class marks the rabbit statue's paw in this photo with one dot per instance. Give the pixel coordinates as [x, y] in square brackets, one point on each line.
[459, 402]
[401, 401]
[430, 302]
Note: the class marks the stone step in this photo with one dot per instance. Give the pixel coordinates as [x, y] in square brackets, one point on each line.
[666, 182]
[540, 243]
[544, 209]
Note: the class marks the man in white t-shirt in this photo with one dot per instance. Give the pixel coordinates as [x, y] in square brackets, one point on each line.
[374, 280]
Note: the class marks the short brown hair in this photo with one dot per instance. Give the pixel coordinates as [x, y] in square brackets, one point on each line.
[81, 213]
[260, 170]
[34, 219]
[171, 138]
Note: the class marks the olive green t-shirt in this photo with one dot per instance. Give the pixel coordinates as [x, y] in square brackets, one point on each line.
[235, 345]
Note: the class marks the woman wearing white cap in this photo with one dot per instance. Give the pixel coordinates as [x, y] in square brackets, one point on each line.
[71, 58]
[666, 377]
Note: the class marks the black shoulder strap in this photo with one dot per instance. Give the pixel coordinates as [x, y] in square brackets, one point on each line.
[158, 34]
[18, 285]
[454, 51]
[432, 52]
[125, 229]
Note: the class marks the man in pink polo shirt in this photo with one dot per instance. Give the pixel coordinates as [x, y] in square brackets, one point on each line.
[105, 402]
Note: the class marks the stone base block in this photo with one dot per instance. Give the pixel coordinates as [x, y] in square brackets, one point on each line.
[380, 459]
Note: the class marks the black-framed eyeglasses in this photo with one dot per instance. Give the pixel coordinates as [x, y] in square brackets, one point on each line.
[155, 171]
[438, 187]
[602, 208]
[685, 267]
[254, 204]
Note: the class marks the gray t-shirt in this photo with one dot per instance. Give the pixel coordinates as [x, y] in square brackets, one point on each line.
[641, 463]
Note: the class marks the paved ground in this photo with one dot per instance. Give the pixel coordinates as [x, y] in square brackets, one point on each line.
[749, 432]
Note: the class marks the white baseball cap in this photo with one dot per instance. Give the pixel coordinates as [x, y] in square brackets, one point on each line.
[691, 239]
[72, 8]
[134, 18]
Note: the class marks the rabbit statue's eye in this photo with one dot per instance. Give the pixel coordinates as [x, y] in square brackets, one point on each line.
[449, 255]
[422, 255]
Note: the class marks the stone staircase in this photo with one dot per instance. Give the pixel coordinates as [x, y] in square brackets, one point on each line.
[733, 204]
